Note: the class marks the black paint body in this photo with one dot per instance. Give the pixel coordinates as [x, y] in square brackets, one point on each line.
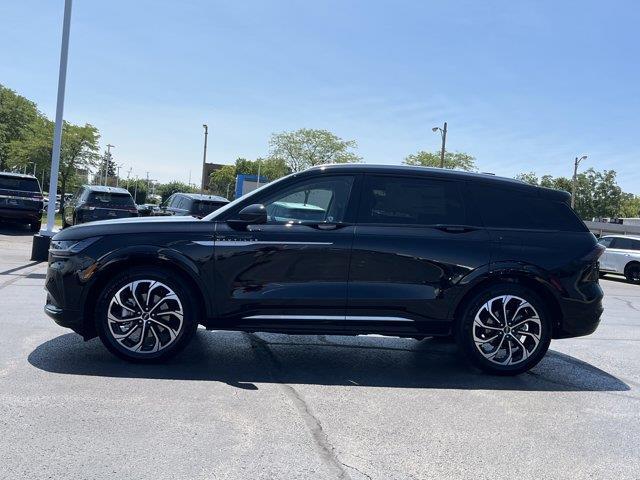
[346, 278]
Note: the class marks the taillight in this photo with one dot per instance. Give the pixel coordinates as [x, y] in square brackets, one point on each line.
[594, 254]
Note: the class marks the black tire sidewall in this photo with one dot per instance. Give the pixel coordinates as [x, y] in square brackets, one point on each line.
[465, 325]
[169, 278]
[628, 270]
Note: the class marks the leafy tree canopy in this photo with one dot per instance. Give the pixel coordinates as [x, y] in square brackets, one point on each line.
[452, 160]
[306, 147]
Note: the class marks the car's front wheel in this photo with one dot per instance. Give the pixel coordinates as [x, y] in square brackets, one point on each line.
[505, 330]
[145, 315]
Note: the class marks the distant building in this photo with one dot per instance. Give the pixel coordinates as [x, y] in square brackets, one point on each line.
[207, 170]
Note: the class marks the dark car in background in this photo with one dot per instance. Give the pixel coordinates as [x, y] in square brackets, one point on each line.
[96, 202]
[501, 265]
[21, 199]
[193, 204]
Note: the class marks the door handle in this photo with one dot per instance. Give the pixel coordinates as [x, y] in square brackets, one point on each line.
[329, 226]
[456, 228]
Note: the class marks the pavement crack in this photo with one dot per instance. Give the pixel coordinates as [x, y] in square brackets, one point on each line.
[359, 471]
[323, 446]
[629, 304]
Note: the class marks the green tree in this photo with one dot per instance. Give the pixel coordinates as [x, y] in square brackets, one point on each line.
[629, 206]
[165, 190]
[17, 115]
[306, 147]
[597, 193]
[452, 160]
[222, 181]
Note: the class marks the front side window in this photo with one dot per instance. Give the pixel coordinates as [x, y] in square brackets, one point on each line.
[411, 201]
[313, 201]
[605, 242]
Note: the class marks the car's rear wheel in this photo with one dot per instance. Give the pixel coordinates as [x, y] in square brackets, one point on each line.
[505, 330]
[146, 315]
[632, 272]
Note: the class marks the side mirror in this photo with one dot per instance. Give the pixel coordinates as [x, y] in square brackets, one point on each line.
[250, 215]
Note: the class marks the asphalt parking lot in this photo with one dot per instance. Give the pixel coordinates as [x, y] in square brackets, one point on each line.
[266, 406]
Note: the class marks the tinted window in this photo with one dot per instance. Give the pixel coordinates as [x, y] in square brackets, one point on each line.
[21, 184]
[110, 199]
[317, 200]
[625, 243]
[411, 201]
[205, 207]
[605, 242]
[515, 208]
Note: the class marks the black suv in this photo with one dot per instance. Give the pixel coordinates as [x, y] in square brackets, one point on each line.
[406, 251]
[95, 202]
[193, 204]
[21, 199]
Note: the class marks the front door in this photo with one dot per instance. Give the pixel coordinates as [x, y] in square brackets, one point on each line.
[413, 245]
[290, 273]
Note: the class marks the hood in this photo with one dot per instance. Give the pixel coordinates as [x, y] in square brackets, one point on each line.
[131, 225]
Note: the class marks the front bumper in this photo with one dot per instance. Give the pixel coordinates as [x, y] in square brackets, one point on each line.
[66, 291]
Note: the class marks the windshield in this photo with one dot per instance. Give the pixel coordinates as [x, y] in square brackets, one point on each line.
[230, 205]
[20, 184]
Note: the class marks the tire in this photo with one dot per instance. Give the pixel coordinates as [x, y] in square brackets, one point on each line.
[164, 335]
[632, 272]
[525, 310]
[35, 226]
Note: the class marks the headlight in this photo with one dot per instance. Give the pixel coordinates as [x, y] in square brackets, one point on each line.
[71, 246]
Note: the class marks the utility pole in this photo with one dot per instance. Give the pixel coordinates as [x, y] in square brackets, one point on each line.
[128, 175]
[574, 181]
[107, 161]
[204, 156]
[443, 134]
[118, 175]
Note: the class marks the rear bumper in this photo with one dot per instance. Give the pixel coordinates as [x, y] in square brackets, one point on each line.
[581, 317]
[17, 214]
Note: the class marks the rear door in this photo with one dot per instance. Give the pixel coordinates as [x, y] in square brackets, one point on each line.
[414, 242]
[619, 253]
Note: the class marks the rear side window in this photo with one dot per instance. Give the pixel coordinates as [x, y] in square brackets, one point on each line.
[20, 184]
[411, 201]
[110, 199]
[515, 208]
[625, 243]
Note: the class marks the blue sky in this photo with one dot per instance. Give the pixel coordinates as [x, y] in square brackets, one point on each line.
[523, 85]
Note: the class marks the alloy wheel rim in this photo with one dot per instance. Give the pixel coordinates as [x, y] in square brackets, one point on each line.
[507, 330]
[145, 316]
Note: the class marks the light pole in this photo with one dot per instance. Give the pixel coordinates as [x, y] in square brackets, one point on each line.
[41, 241]
[204, 155]
[118, 175]
[574, 182]
[258, 182]
[443, 134]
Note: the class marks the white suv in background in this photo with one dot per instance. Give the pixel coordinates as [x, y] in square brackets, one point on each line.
[622, 255]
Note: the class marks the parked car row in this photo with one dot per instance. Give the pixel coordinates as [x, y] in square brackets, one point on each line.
[97, 202]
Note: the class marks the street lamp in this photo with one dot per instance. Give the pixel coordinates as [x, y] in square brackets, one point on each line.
[41, 240]
[443, 134]
[204, 156]
[575, 179]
